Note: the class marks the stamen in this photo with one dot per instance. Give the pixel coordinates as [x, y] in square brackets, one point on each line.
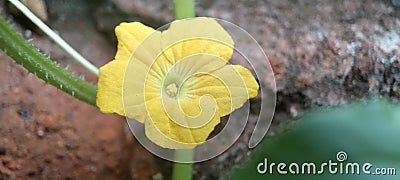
[172, 90]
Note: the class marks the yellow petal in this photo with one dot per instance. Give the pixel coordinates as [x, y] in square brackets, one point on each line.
[231, 86]
[109, 94]
[144, 72]
[112, 75]
[196, 36]
[166, 133]
[191, 65]
[129, 36]
[116, 96]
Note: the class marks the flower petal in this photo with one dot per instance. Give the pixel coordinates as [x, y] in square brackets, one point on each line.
[196, 36]
[231, 86]
[129, 36]
[166, 133]
[144, 75]
[112, 75]
[109, 94]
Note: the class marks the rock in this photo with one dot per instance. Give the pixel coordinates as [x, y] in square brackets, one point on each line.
[38, 7]
[396, 3]
[50, 121]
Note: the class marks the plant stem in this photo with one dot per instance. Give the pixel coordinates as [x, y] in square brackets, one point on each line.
[55, 37]
[25, 54]
[183, 9]
[183, 171]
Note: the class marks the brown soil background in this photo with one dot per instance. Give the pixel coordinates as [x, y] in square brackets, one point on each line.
[323, 53]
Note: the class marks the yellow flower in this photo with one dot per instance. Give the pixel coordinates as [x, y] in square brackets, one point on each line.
[177, 82]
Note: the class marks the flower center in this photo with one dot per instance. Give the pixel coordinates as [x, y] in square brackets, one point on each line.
[172, 90]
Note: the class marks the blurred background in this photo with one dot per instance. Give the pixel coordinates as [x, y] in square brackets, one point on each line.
[323, 53]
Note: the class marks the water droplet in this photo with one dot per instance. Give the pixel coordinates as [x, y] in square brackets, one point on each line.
[40, 133]
[28, 34]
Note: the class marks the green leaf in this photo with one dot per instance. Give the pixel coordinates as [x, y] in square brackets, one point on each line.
[367, 132]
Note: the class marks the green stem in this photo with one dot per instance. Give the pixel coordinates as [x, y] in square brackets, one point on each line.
[183, 171]
[25, 54]
[183, 9]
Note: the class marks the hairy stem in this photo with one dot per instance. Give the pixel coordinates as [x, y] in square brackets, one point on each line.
[25, 54]
[55, 37]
